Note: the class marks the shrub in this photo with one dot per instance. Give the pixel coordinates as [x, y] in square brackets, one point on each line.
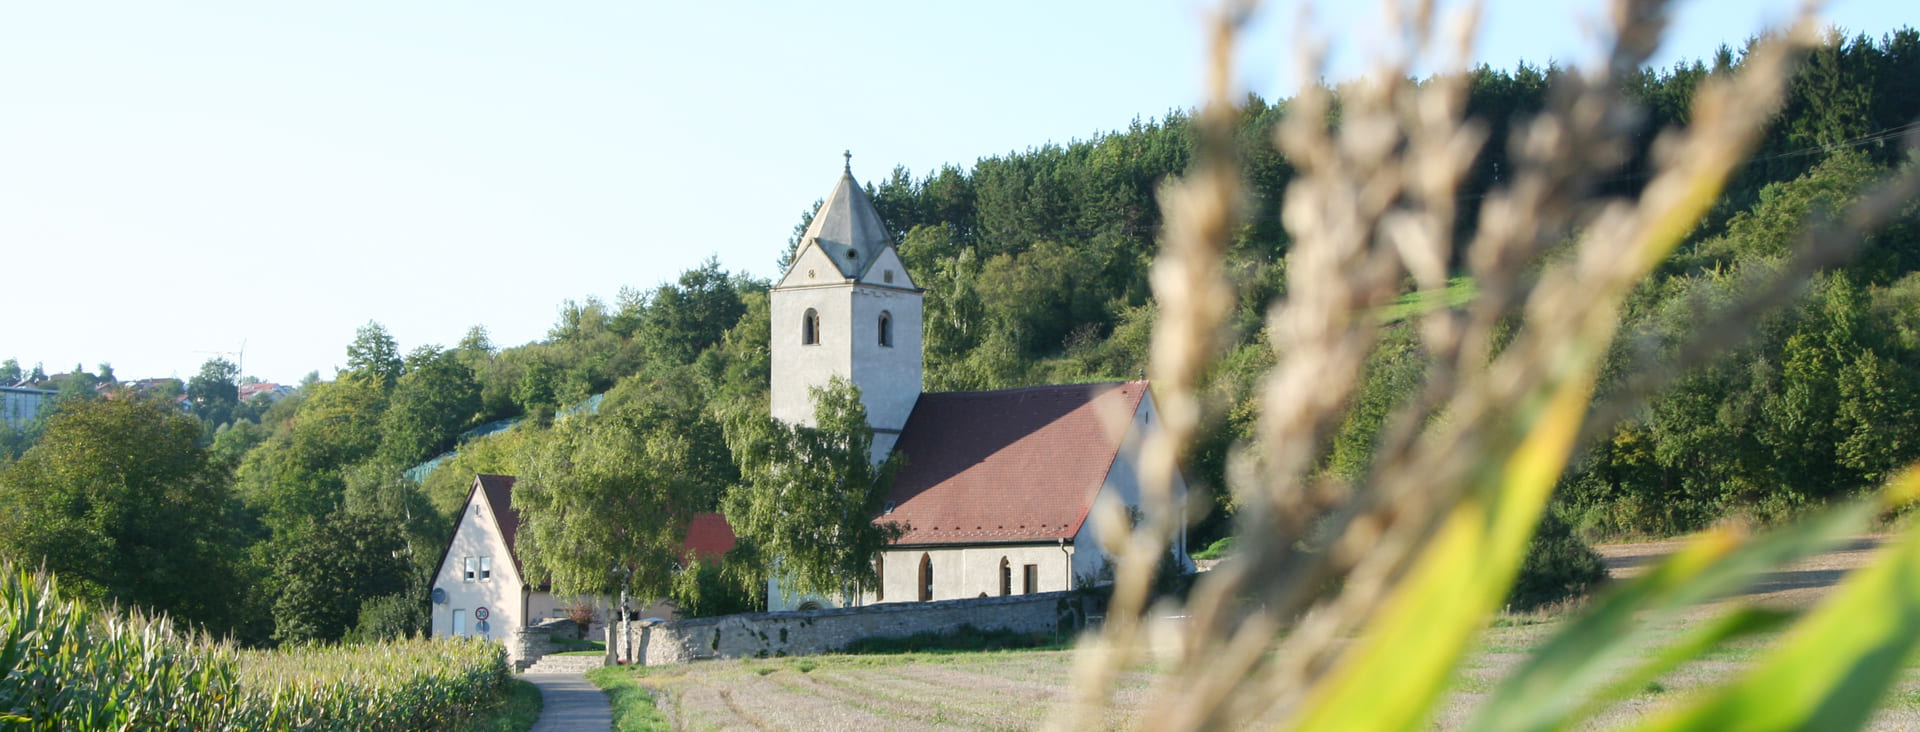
[1558, 566]
[390, 617]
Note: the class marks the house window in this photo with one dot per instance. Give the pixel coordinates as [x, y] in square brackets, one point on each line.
[880, 578]
[1006, 577]
[810, 328]
[926, 577]
[1032, 579]
[886, 329]
[486, 569]
[459, 623]
[473, 569]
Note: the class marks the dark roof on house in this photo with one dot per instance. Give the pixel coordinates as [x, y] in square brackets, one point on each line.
[1015, 465]
[499, 492]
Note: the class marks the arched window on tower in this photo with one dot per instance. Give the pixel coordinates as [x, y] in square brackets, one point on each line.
[810, 328]
[886, 329]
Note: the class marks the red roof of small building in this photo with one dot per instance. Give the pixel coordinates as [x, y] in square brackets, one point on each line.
[1015, 465]
[709, 536]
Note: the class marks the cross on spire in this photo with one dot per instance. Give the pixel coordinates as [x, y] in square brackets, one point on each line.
[849, 156]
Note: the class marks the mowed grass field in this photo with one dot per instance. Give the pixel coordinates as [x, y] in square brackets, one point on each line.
[1009, 690]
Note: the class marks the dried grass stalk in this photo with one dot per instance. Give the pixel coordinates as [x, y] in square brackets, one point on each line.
[1372, 205]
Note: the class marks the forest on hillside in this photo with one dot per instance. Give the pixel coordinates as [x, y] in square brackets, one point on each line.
[298, 520]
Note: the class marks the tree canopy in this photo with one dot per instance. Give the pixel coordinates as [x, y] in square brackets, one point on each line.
[809, 495]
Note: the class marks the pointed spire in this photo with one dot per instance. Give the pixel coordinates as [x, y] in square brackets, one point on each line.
[848, 227]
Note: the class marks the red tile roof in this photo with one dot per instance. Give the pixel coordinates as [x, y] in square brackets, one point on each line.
[1008, 466]
[709, 536]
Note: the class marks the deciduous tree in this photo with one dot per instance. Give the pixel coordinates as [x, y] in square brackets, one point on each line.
[809, 495]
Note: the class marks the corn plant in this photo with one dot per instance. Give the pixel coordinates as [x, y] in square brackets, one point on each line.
[65, 665]
[1364, 630]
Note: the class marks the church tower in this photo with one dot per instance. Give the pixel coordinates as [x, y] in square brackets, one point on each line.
[846, 307]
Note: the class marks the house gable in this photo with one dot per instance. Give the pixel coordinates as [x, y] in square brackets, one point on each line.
[485, 533]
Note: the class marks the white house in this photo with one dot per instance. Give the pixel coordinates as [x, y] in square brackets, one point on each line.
[998, 486]
[481, 589]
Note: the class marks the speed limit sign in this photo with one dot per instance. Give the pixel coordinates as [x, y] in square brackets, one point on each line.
[481, 612]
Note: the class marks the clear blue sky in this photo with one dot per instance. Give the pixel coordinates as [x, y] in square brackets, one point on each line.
[175, 181]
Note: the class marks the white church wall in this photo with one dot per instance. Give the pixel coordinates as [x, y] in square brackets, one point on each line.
[889, 375]
[1122, 488]
[799, 367]
[972, 571]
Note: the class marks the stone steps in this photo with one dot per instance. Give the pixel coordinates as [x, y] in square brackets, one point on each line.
[556, 664]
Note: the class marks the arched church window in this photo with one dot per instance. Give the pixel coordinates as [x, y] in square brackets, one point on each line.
[1006, 577]
[926, 577]
[886, 329]
[810, 328]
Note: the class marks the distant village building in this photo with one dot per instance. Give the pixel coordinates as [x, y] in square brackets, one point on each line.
[481, 590]
[19, 405]
[271, 392]
[998, 485]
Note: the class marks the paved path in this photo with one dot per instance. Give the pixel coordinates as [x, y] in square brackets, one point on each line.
[570, 704]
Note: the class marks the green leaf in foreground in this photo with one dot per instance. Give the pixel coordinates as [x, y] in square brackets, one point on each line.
[1563, 676]
[1832, 668]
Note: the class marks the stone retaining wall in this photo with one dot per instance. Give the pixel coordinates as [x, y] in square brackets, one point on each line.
[527, 645]
[804, 632]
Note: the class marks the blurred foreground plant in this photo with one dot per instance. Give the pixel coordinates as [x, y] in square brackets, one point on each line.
[1421, 548]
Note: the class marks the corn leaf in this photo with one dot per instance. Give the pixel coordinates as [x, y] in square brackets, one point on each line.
[1452, 588]
[1564, 674]
[1831, 669]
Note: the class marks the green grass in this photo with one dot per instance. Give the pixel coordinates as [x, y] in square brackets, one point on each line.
[633, 707]
[517, 711]
[1217, 550]
[575, 645]
[1460, 290]
[579, 653]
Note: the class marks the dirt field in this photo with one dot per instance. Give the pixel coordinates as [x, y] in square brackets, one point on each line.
[1017, 689]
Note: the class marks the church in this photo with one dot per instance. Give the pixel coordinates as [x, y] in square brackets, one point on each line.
[999, 487]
